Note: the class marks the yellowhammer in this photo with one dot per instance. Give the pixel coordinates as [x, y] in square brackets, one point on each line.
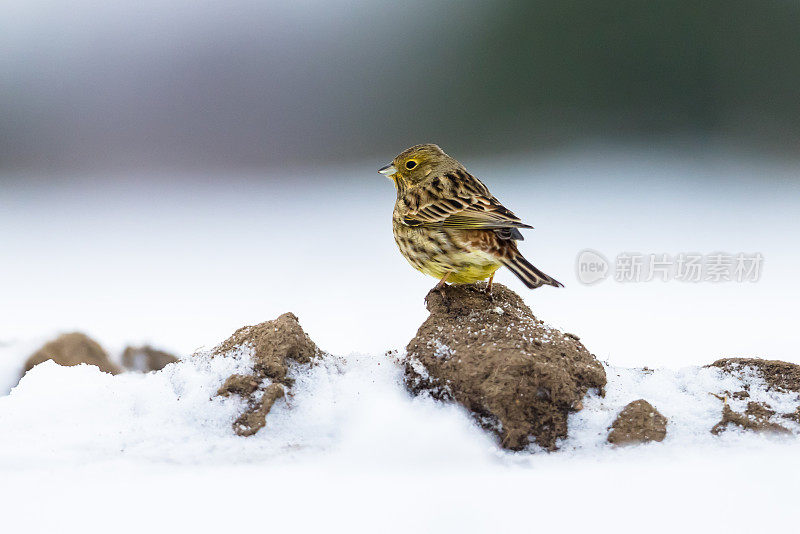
[448, 225]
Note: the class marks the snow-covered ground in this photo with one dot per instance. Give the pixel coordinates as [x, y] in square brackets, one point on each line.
[181, 264]
[352, 450]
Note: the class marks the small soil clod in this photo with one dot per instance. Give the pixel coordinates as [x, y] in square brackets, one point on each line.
[276, 345]
[638, 422]
[73, 349]
[756, 418]
[146, 359]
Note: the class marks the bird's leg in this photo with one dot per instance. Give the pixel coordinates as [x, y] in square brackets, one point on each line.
[489, 285]
[440, 288]
[440, 285]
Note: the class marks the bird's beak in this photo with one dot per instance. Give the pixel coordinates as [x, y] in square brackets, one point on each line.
[389, 170]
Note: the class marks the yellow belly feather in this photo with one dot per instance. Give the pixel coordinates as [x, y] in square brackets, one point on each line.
[477, 266]
[436, 254]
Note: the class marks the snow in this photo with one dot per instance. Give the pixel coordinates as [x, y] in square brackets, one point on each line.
[351, 436]
[690, 398]
[353, 408]
[696, 491]
[350, 449]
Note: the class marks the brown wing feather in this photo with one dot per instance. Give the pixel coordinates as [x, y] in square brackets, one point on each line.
[508, 254]
[457, 200]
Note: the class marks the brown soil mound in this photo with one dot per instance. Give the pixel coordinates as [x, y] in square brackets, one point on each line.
[756, 417]
[638, 422]
[146, 359]
[782, 376]
[517, 376]
[73, 349]
[276, 344]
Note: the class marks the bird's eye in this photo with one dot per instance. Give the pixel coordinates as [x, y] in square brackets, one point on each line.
[410, 164]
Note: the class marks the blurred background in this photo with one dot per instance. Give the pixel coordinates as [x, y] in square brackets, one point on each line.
[249, 84]
[170, 171]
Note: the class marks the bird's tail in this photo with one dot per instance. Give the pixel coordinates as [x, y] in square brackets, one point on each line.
[528, 274]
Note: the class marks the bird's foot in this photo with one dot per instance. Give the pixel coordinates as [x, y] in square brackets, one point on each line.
[441, 285]
[440, 288]
[485, 290]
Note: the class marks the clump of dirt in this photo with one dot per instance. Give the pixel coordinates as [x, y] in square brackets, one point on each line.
[73, 349]
[781, 376]
[242, 385]
[254, 418]
[793, 416]
[146, 359]
[518, 377]
[276, 345]
[638, 422]
[756, 417]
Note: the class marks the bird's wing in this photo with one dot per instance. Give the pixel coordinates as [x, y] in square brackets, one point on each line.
[457, 200]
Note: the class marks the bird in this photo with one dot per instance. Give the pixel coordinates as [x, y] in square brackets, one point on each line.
[448, 225]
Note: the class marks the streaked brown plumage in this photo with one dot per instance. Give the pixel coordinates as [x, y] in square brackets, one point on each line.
[448, 225]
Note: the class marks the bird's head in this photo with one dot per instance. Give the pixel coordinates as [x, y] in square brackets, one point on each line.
[415, 164]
